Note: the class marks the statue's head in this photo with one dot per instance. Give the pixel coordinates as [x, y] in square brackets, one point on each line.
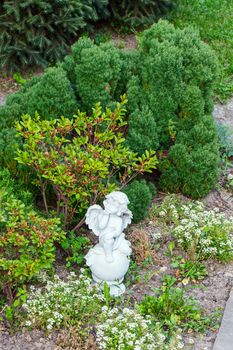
[116, 203]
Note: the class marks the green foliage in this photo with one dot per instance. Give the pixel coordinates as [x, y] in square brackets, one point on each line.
[50, 95]
[80, 157]
[172, 86]
[75, 247]
[35, 33]
[171, 307]
[214, 21]
[141, 12]
[168, 79]
[140, 196]
[142, 130]
[188, 270]
[16, 188]
[26, 243]
[8, 145]
[95, 72]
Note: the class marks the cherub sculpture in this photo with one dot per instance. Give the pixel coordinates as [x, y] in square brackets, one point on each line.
[109, 259]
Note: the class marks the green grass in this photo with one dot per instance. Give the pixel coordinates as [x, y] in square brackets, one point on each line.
[214, 20]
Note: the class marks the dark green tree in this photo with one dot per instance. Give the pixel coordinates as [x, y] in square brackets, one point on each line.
[38, 31]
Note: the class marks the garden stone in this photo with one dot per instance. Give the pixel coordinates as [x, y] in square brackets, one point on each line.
[223, 113]
[2, 99]
[225, 335]
[109, 259]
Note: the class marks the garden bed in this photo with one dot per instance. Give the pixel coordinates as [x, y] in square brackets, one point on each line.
[212, 292]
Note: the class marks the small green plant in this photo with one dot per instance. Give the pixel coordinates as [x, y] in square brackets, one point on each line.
[133, 274]
[172, 308]
[80, 158]
[75, 247]
[19, 79]
[20, 299]
[225, 140]
[188, 270]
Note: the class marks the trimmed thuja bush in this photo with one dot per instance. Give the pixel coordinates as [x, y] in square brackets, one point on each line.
[168, 80]
[173, 84]
[140, 195]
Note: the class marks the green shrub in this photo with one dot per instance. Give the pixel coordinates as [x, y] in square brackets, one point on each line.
[140, 195]
[8, 144]
[172, 86]
[94, 71]
[79, 157]
[38, 32]
[50, 95]
[26, 243]
[75, 247]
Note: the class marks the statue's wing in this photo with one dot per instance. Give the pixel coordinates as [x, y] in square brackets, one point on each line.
[93, 217]
[127, 218]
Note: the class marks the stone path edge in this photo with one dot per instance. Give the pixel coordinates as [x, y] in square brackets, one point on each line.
[224, 339]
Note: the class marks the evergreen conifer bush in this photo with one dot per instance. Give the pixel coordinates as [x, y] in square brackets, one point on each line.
[38, 32]
[173, 83]
[140, 195]
[94, 71]
[139, 12]
[50, 95]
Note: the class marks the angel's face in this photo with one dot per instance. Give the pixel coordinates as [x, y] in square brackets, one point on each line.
[111, 206]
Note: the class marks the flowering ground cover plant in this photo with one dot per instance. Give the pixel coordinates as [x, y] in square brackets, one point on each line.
[77, 303]
[63, 303]
[83, 158]
[202, 233]
[127, 330]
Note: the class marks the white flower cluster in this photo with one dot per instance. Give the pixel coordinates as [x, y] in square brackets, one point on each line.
[207, 232]
[61, 301]
[128, 330]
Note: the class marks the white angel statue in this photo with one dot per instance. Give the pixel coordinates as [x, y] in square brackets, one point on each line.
[109, 259]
